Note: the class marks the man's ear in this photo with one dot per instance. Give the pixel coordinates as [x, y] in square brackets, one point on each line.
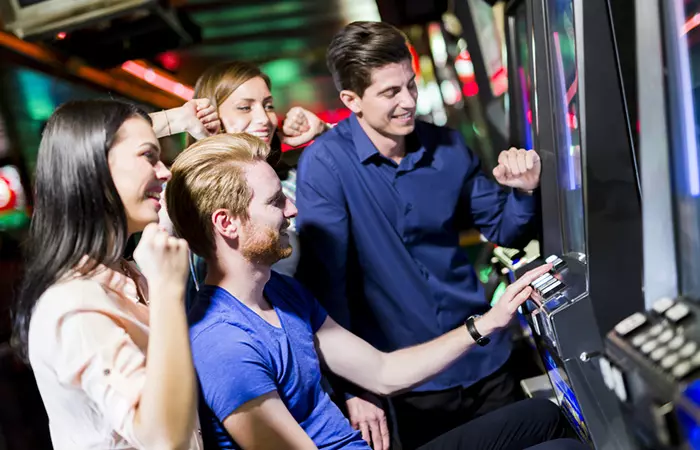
[351, 100]
[225, 224]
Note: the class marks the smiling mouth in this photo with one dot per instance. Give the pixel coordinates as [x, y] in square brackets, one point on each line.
[154, 195]
[264, 135]
[405, 116]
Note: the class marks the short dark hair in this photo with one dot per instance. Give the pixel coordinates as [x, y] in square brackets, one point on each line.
[77, 209]
[361, 47]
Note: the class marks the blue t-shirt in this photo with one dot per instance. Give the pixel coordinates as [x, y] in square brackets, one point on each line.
[239, 357]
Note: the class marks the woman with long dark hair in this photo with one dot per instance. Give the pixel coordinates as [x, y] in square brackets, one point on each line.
[108, 343]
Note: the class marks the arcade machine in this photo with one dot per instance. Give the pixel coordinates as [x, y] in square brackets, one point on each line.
[591, 217]
[653, 356]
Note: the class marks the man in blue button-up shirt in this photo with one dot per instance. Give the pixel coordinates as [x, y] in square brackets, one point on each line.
[382, 199]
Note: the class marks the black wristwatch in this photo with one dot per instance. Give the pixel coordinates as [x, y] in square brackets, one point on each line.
[478, 338]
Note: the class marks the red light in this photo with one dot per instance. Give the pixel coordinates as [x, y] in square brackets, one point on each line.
[157, 80]
[572, 121]
[8, 197]
[499, 82]
[463, 55]
[470, 89]
[169, 60]
[529, 116]
[415, 60]
[61, 36]
[334, 115]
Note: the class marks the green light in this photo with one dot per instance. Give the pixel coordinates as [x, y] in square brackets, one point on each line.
[249, 13]
[255, 27]
[303, 92]
[255, 50]
[14, 220]
[484, 274]
[36, 93]
[498, 293]
[282, 71]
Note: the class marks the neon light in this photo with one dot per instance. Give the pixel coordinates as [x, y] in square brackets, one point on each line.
[526, 104]
[499, 82]
[573, 89]
[153, 78]
[693, 22]
[470, 89]
[169, 60]
[570, 160]
[415, 60]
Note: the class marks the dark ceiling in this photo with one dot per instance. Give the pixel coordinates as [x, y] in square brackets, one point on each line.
[285, 36]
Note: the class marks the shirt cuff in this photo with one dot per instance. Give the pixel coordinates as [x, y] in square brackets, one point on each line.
[524, 199]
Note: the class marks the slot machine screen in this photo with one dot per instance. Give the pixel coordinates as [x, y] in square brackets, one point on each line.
[565, 396]
[685, 155]
[524, 71]
[565, 81]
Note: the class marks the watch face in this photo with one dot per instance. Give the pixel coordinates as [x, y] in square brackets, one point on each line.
[483, 341]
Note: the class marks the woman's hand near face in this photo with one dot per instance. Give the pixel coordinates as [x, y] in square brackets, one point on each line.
[301, 126]
[198, 117]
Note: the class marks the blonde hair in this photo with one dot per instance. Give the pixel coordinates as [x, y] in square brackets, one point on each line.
[220, 81]
[207, 176]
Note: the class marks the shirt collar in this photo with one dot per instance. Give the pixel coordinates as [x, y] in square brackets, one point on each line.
[366, 149]
[363, 145]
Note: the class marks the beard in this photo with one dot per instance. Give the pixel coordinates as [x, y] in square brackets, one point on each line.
[263, 245]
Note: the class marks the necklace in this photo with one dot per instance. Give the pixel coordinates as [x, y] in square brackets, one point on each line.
[130, 275]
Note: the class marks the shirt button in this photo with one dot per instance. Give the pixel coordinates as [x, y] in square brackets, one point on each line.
[409, 207]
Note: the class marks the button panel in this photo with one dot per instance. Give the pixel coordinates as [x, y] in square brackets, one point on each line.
[658, 335]
[662, 305]
[549, 284]
[630, 324]
[677, 313]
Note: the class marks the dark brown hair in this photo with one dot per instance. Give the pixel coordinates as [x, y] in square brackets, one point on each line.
[361, 47]
[77, 209]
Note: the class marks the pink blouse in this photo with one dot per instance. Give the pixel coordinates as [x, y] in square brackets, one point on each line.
[87, 347]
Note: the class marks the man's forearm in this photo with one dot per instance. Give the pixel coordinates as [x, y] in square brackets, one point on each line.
[409, 367]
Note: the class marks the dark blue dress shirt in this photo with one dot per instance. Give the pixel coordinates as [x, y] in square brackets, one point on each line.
[380, 241]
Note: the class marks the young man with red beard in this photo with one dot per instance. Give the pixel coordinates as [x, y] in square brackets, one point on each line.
[259, 338]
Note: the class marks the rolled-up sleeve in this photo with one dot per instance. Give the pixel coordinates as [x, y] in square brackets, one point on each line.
[94, 353]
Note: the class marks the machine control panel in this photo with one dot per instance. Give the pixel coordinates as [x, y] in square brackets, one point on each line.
[551, 282]
[660, 338]
[657, 354]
